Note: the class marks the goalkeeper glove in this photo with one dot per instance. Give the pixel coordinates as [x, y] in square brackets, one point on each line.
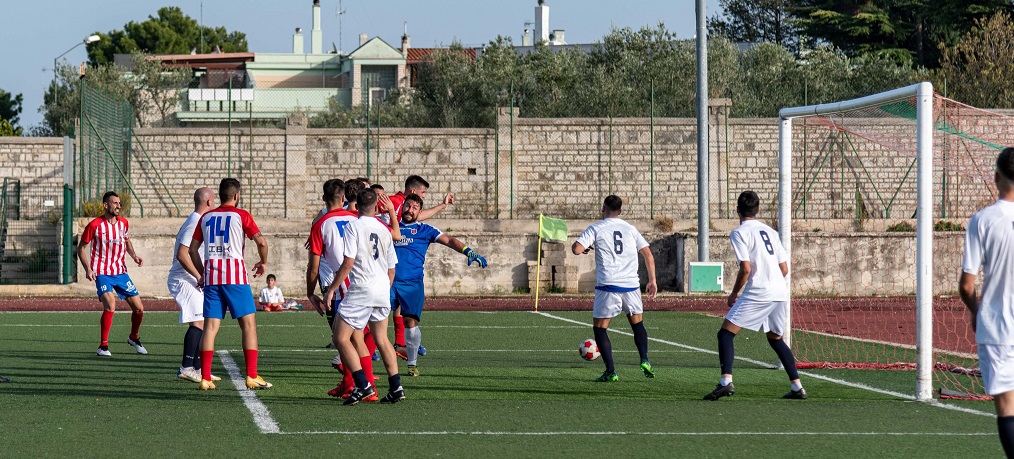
[474, 256]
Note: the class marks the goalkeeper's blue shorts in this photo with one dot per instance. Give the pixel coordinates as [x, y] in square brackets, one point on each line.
[409, 296]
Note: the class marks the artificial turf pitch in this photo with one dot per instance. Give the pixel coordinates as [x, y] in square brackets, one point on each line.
[492, 383]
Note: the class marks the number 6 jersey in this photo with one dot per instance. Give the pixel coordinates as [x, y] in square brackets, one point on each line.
[757, 243]
[224, 231]
[616, 243]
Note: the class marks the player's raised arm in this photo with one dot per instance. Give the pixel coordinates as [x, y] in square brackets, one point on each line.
[458, 246]
[649, 264]
[427, 213]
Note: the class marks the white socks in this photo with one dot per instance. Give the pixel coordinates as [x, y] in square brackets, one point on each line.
[796, 386]
[413, 337]
[726, 381]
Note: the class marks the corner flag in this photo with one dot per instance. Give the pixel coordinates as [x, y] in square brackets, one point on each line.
[553, 229]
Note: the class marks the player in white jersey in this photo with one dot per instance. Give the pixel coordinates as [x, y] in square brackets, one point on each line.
[369, 262]
[183, 287]
[764, 303]
[617, 285]
[989, 244]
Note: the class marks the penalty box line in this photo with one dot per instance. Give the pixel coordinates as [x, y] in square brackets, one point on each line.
[806, 373]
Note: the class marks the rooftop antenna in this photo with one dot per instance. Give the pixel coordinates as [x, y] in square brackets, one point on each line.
[340, 12]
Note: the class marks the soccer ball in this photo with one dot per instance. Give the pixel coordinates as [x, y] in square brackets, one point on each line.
[589, 349]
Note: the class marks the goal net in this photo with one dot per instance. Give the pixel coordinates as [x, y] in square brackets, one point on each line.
[874, 194]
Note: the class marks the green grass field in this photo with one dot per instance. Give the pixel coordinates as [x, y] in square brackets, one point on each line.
[492, 383]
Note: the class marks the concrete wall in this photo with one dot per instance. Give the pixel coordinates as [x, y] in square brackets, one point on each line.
[823, 262]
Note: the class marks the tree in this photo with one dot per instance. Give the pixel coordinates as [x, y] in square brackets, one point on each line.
[6, 130]
[10, 108]
[901, 29]
[979, 69]
[158, 89]
[755, 21]
[171, 32]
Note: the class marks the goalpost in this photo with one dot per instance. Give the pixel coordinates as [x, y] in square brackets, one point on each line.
[923, 96]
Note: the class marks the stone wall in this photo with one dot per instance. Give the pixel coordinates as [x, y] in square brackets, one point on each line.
[38, 163]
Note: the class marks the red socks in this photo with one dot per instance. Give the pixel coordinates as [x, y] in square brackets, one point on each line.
[135, 323]
[105, 324]
[206, 364]
[399, 331]
[251, 362]
[371, 345]
[367, 363]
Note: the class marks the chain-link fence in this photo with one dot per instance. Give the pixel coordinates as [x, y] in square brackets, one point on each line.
[30, 215]
[102, 163]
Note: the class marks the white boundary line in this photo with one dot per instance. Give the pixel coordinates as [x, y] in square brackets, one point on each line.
[684, 434]
[808, 374]
[297, 351]
[261, 415]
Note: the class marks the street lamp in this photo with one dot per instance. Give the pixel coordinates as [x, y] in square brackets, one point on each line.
[90, 39]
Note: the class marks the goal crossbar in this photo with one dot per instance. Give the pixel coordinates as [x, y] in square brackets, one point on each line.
[923, 94]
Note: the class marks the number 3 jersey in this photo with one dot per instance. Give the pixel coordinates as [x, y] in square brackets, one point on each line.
[368, 241]
[759, 244]
[223, 233]
[616, 243]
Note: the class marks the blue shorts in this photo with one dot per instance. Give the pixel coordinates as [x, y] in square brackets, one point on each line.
[236, 297]
[409, 296]
[120, 283]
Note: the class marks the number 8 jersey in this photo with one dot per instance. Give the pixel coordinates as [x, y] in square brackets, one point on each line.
[759, 244]
[616, 243]
[224, 231]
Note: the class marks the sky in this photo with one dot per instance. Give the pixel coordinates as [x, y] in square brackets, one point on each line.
[37, 31]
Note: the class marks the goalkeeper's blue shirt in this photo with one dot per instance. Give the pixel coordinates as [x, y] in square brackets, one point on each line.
[411, 250]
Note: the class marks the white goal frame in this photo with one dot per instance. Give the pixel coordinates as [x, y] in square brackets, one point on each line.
[923, 93]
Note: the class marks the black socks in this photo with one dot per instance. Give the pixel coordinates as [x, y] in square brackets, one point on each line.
[605, 348]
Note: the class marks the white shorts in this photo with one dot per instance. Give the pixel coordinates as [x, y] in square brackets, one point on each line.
[189, 298]
[611, 304]
[996, 361]
[757, 315]
[361, 316]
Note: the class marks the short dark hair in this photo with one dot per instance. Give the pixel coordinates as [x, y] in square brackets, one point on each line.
[377, 186]
[415, 181]
[613, 203]
[352, 188]
[365, 180]
[1005, 163]
[228, 189]
[748, 204]
[109, 194]
[366, 198]
[271, 277]
[334, 189]
[413, 198]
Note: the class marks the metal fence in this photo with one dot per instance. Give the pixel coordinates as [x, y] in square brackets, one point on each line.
[30, 216]
[102, 162]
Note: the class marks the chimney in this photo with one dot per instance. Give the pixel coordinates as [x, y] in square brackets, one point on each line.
[316, 40]
[558, 37]
[363, 38]
[526, 38]
[406, 42]
[542, 22]
[297, 41]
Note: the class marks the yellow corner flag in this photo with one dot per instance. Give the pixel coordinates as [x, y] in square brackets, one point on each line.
[549, 228]
[552, 228]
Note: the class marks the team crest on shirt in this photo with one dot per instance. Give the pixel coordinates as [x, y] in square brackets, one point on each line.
[413, 230]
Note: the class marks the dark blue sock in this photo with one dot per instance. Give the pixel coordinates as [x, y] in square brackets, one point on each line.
[605, 348]
[641, 340]
[726, 352]
[359, 376]
[330, 319]
[785, 356]
[191, 345]
[1005, 426]
[394, 382]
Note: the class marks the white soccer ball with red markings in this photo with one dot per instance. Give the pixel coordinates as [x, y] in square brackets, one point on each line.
[589, 349]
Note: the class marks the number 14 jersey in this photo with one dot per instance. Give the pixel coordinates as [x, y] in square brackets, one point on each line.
[222, 232]
[759, 244]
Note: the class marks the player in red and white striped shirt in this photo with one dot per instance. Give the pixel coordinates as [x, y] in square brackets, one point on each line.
[222, 233]
[104, 263]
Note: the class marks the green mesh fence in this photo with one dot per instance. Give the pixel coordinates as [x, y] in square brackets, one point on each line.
[103, 162]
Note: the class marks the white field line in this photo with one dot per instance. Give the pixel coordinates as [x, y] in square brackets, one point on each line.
[806, 373]
[684, 434]
[332, 351]
[261, 415]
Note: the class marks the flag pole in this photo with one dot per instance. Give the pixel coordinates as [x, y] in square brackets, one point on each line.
[538, 266]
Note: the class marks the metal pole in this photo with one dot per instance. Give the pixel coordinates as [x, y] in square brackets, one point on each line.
[228, 142]
[68, 211]
[924, 244]
[496, 160]
[651, 143]
[703, 219]
[512, 151]
[367, 135]
[785, 208]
